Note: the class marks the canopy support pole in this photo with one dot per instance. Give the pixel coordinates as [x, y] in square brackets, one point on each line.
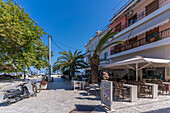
[137, 72]
[130, 67]
[145, 66]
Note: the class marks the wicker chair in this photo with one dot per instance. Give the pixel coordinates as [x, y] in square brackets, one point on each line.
[161, 86]
[124, 92]
[116, 90]
[137, 83]
[147, 81]
[129, 82]
[154, 81]
[145, 90]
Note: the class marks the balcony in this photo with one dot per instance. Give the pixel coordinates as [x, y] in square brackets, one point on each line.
[143, 41]
[87, 53]
[104, 61]
[141, 15]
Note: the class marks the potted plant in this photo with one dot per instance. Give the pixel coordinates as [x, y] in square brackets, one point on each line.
[157, 38]
[152, 39]
[43, 84]
[105, 76]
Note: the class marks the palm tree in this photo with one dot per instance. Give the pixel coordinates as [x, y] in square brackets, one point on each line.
[94, 60]
[70, 61]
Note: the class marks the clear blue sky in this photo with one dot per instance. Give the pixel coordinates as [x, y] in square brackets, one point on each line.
[71, 22]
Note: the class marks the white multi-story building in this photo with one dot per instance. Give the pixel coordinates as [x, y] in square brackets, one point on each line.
[144, 26]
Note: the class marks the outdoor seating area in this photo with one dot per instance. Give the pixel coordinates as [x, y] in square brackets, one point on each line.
[91, 89]
[128, 90]
[152, 88]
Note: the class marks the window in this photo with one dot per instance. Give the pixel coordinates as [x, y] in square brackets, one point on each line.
[118, 28]
[105, 56]
[132, 20]
[154, 73]
[152, 7]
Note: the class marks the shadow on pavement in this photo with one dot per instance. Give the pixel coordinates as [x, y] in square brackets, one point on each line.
[88, 98]
[84, 94]
[164, 110]
[3, 104]
[85, 108]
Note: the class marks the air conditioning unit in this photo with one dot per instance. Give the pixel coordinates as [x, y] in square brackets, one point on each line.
[130, 13]
[98, 32]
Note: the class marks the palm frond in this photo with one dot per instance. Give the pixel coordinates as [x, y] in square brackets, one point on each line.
[116, 42]
[103, 41]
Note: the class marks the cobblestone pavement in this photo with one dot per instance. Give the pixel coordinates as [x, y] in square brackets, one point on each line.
[60, 99]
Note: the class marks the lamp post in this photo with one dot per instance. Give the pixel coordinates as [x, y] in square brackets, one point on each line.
[49, 75]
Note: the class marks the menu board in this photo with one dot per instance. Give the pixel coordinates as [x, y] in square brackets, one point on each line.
[106, 93]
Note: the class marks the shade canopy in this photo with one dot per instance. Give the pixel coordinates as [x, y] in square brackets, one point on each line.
[149, 25]
[138, 60]
[137, 63]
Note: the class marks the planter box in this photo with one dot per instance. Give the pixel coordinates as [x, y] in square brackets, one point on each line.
[44, 87]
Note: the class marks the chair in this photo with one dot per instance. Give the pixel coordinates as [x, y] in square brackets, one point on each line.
[116, 90]
[137, 83]
[146, 90]
[161, 86]
[147, 81]
[168, 80]
[154, 81]
[124, 92]
[130, 82]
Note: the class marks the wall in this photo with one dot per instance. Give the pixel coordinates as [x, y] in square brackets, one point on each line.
[141, 7]
[122, 20]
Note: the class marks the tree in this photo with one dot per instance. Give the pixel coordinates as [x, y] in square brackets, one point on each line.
[70, 61]
[20, 39]
[94, 60]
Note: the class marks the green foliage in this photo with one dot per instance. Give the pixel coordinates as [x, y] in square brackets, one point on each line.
[94, 60]
[100, 46]
[70, 61]
[157, 38]
[20, 39]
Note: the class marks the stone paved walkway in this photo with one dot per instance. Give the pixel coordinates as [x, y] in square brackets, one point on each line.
[60, 99]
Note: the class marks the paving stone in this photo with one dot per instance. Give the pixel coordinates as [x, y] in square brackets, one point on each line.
[61, 99]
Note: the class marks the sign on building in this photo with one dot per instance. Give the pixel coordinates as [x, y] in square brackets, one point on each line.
[106, 95]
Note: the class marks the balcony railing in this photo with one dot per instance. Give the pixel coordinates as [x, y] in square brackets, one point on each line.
[142, 15]
[146, 40]
[104, 59]
[88, 51]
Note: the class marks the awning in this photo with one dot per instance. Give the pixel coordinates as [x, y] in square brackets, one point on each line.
[137, 60]
[137, 63]
[147, 26]
[154, 23]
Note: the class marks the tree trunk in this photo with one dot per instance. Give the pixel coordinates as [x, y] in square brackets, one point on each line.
[94, 63]
[72, 71]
